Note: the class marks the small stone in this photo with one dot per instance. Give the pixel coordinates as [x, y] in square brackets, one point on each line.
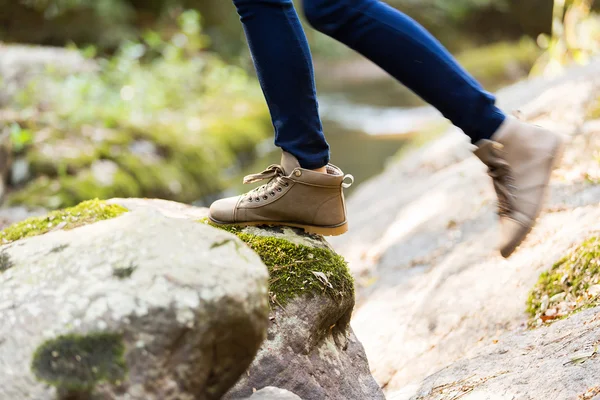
[558, 298]
[594, 290]
[544, 303]
[551, 312]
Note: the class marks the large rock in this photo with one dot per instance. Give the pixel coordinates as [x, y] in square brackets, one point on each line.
[310, 348]
[431, 287]
[556, 362]
[149, 305]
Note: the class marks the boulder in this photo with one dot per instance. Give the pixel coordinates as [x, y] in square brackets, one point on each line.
[555, 362]
[100, 303]
[310, 348]
[431, 286]
[273, 393]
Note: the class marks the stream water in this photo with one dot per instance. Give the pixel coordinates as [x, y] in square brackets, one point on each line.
[364, 132]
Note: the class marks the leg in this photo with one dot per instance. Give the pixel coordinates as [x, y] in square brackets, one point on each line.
[520, 156]
[413, 56]
[294, 195]
[284, 66]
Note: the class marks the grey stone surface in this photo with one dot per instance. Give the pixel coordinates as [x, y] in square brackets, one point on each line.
[312, 351]
[432, 289]
[555, 362]
[273, 393]
[188, 303]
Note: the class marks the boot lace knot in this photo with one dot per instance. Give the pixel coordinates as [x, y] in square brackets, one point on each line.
[274, 173]
[500, 172]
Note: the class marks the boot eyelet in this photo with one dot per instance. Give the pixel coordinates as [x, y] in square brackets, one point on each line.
[279, 189]
[265, 198]
[298, 173]
[257, 200]
[249, 199]
[272, 194]
[286, 184]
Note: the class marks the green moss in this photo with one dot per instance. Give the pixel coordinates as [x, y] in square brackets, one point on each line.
[5, 262]
[570, 285]
[74, 189]
[85, 213]
[80, 362]
[57, 157]
[296, 269]
[68, 190]
[123, 272]
[163, 179]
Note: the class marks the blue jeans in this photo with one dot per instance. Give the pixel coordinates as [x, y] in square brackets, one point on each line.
[392, 40]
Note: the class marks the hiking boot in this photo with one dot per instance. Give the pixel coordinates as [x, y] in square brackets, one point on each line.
[520, 158]
[294, 196]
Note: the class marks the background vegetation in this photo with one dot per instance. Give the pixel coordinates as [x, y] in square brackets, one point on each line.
[163, 101]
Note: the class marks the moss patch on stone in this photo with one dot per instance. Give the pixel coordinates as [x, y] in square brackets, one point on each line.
[295, 269]
[124, 271]
[572, 284]
[80, 362]
[83, 214]
[5, 262]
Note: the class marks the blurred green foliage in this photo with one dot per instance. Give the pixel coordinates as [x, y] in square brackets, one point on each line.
[159, 118]
[106, 23]
[575, 37]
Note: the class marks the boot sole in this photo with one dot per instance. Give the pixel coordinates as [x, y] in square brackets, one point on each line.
[558, 155]
[311, 229]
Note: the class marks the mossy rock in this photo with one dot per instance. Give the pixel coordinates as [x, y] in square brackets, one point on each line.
[309, 339]
[85, 213]
[298, 263]
[193, 122]
[77, 363]
[139, 298]
[572, 284]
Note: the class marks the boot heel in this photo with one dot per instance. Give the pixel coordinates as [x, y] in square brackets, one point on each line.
[325, 231]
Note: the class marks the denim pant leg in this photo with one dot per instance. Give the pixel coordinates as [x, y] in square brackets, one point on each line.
[404, 49]
[284, 66]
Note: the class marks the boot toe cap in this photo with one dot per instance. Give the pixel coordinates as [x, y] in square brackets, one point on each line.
[512, 235]
[224, 210]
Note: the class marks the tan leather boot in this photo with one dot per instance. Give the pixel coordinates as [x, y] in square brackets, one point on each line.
[520, 158]
[293, 196]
